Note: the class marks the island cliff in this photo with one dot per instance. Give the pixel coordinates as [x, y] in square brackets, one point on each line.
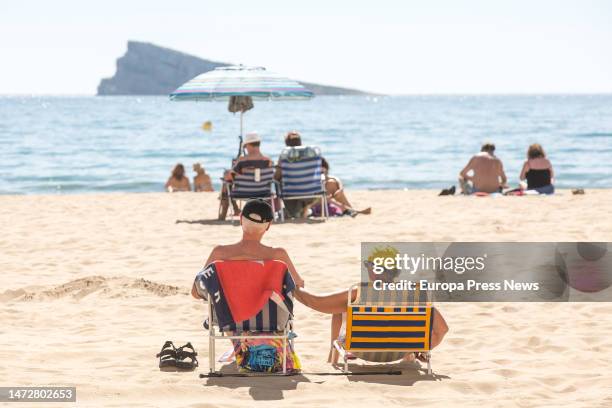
[147, 69]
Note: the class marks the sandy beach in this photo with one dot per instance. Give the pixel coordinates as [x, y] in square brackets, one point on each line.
[92, 285]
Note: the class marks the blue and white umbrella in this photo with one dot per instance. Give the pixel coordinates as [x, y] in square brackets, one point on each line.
[225, 82]
[240, 84]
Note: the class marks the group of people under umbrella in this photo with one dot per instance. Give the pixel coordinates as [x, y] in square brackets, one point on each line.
[252, 157]
[240, 85]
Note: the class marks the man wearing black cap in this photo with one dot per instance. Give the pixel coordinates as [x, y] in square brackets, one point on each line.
[255, 220]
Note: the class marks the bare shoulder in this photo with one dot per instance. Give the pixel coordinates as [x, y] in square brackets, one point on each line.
[280, 254]
[218, 253]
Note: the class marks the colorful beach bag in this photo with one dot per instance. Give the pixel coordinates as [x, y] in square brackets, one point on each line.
[264, 355]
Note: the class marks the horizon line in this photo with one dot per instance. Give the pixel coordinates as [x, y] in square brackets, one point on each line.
[368, 95]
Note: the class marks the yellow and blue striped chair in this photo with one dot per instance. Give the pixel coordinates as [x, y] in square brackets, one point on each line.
[384, 331]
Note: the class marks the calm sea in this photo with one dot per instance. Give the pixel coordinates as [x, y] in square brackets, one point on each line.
[101, 144]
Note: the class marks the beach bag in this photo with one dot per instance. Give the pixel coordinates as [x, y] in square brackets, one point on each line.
[264, 356]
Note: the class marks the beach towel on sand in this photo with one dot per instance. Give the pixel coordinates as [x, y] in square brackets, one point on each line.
[240, 289]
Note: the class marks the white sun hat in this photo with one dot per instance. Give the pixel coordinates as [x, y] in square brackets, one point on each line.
[251, 137]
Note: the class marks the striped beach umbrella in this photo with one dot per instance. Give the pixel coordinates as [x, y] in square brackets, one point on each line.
[240, 84]
[225, 82]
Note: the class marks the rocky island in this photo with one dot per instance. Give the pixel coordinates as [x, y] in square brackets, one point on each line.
[148, 69]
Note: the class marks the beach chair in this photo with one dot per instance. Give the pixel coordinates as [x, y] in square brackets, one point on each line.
[252, 183]
[384, 330]
[250, 300]
[301, 176]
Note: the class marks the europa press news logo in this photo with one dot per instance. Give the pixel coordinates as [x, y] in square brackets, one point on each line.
[584, 266]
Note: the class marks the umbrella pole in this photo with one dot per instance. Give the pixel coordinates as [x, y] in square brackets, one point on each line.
[240, 138]
[241, 113]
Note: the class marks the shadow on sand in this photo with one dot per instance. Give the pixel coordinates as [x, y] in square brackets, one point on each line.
[271, 387]
[412, 372]
[261, 388]
[207, 222]
[237, 223]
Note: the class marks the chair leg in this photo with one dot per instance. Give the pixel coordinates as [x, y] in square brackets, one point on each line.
[211, 351]
[223, 206]
[230, 207]
[273, 207]
[324, 206]
[429, 371]
[282, 210]
[233, 214]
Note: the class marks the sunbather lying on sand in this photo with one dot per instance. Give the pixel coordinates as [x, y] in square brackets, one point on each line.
[255, 220]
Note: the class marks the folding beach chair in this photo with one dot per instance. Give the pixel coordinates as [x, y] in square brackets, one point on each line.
[252, 183]
[384, 330]
[250, 300]
[301, 175]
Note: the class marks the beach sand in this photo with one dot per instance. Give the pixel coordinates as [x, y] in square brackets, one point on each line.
[92, 285]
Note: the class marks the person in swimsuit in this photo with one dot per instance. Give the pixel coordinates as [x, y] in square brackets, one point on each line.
[487, 172]
[538, 171]
[201, 181]
[177, 181]
[335, 194]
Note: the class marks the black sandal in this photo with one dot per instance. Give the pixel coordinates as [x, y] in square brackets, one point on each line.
[167, 355]
[186, 357]
[448, 191]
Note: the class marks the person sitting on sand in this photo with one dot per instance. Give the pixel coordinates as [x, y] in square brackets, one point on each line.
[487, 172]
[201, 181]
[253, 158]
[178, 181]
[538, 171]
[255, 220]
[337, 202]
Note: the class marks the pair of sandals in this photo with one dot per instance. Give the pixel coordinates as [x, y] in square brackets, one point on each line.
[182, 358]
[448, 191]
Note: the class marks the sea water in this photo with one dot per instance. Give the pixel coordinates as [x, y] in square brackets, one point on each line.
[104, 144]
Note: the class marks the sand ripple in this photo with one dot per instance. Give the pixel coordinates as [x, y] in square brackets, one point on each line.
[114, 287]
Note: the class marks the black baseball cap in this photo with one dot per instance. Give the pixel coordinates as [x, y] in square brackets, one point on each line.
[257, 211]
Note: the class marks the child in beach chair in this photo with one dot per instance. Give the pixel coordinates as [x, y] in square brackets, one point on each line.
[251, 305]
[386, 331]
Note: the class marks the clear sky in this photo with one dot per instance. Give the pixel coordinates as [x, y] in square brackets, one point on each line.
[395, 47]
